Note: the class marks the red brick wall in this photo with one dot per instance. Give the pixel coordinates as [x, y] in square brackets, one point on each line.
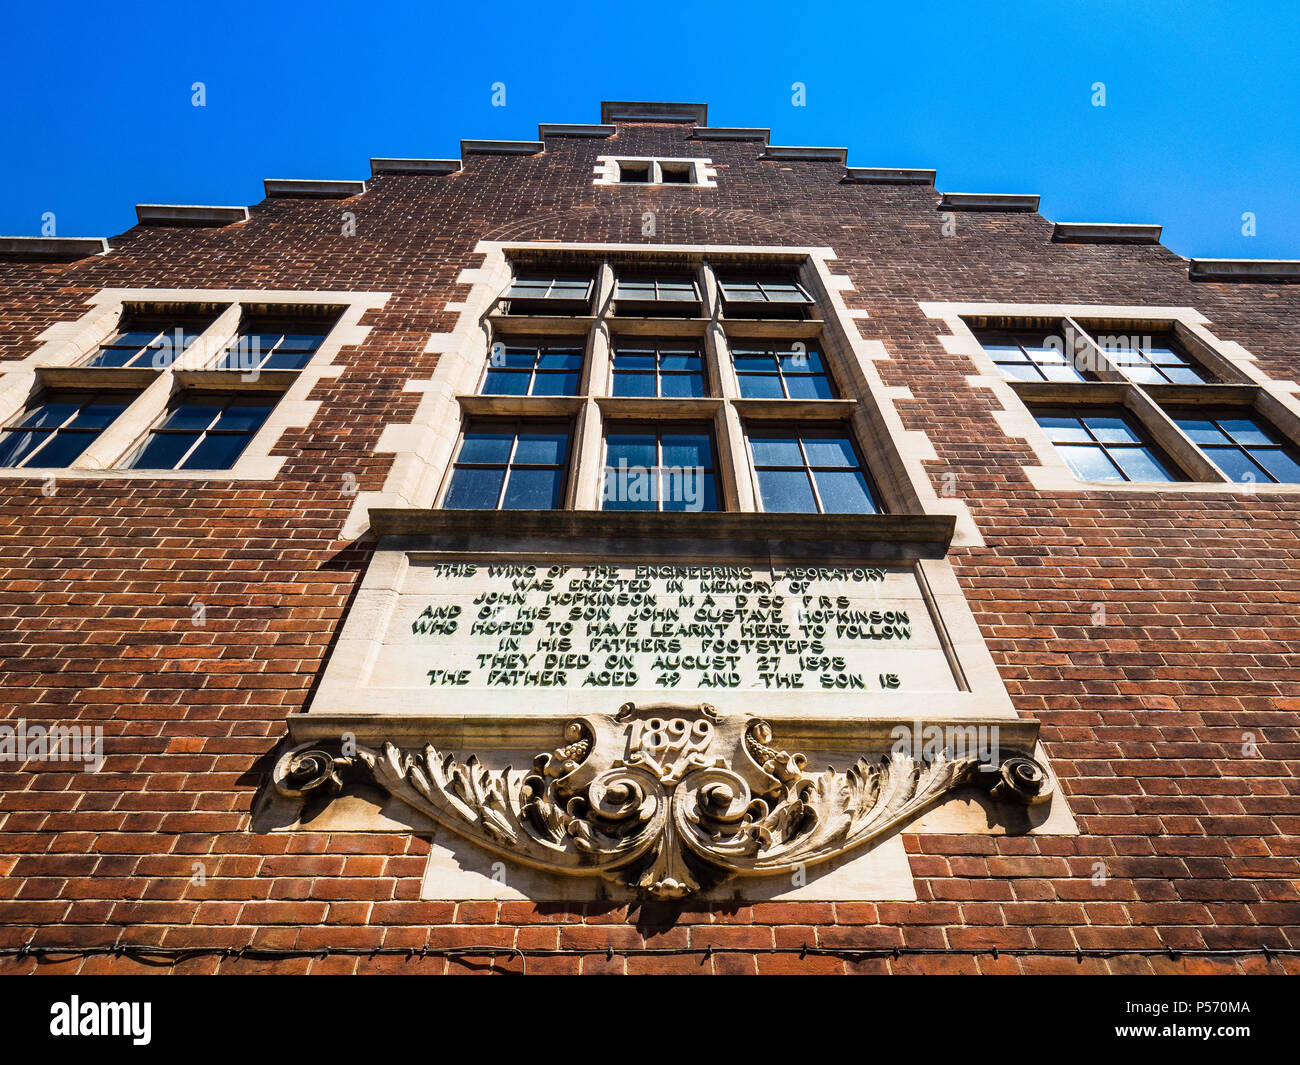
[1143, 719]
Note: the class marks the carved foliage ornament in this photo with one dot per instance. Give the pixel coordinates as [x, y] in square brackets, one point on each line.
[667, 800]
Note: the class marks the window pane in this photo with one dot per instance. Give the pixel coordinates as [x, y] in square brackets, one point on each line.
[541, 447]
[688, 490]
[776, 451]
[1140, 464]
[97, 414]
[679, 360]
[486, 446]
[1111, 429]
[48, 415]
[560, 360]
[1245, 431]
[844, 492]
[162, 451]
[634, 360]
[505, 383]
[283, 359]
[243, 417]
[631, 449]
[1163, 355]
[218, 451]
[829, 451]
[533, 490]
[302, 341]
[634, 384]
[514, 359]
[570, 288]
[114, 356]
[474, 489]
[1063, 372]
[628, 491]
[783, 292]
[687, 449]
[786, 491]
[193, 416]
[1089, 463]
[809, 388]
[1201, 431]
[1021, 371]
[17, 445]
[1145, 375]
[760, 386]
[63, 448]
[1279, 464]
[742, 291]
[682, 385]
[755, 362]
[555, 384]
[801, 362]
[1183, 375]
[1238, 466]
[1061, 430]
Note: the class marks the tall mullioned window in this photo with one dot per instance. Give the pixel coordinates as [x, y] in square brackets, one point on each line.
[1244, 447]
[1105, 445]
[667, 368]
[789, 371]
[509, 466]
[534, 369]
[55, 430]
[202, 432]
[650, 467]
[810, 472]
[1031, 356]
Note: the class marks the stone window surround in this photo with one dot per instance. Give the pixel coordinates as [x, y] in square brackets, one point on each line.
[1246, 386]
[703, 174]
[59, 364]
[425, 447]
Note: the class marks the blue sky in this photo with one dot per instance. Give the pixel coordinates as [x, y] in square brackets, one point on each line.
[1201, 122]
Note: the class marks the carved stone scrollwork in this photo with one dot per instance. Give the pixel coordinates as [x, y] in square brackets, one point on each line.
[667, 800]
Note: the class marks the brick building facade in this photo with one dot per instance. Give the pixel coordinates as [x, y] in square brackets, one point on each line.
[1107, 541]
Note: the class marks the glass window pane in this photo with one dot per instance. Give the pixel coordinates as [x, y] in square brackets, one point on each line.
[555, 384]
[570, 288]
[63, 448]
[1163, 355]
[1021, 371]
[474, 488]
[760, 386]
[829, 451]
[1238, 466]
[244, 417]
[193, 416]
[162, 451]
[16, 446]
[560, 360]
[634, 360]
[844, 492]
[688, 489]
[483, 446]
[809, 388]
[98, 414]
[505, 383]
[1145, 375]
[776, 451]
[114, 356]
[218, 451]
[631, 449]
[755, 362]
[1110, 429]
[634, 290]
[513, 358]
[51, 414]
[1183, 375]
[783, 292]
[302, 341]
[682, 385]
[1064, 372]
[741, 291]
[786, 491]
[133, 338]
[687, 449]
[629, 489]
[679, 360]
[634, 384]
[1279, 464]
[283, 359]
[1089, 463]
[1140, 464]
[1245, 431]
[1062, 429]
[801, 362]
[1201, 431]
[539, 447]
[533, 490]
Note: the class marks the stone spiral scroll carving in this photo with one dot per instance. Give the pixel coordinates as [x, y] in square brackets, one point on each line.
[667, 800]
